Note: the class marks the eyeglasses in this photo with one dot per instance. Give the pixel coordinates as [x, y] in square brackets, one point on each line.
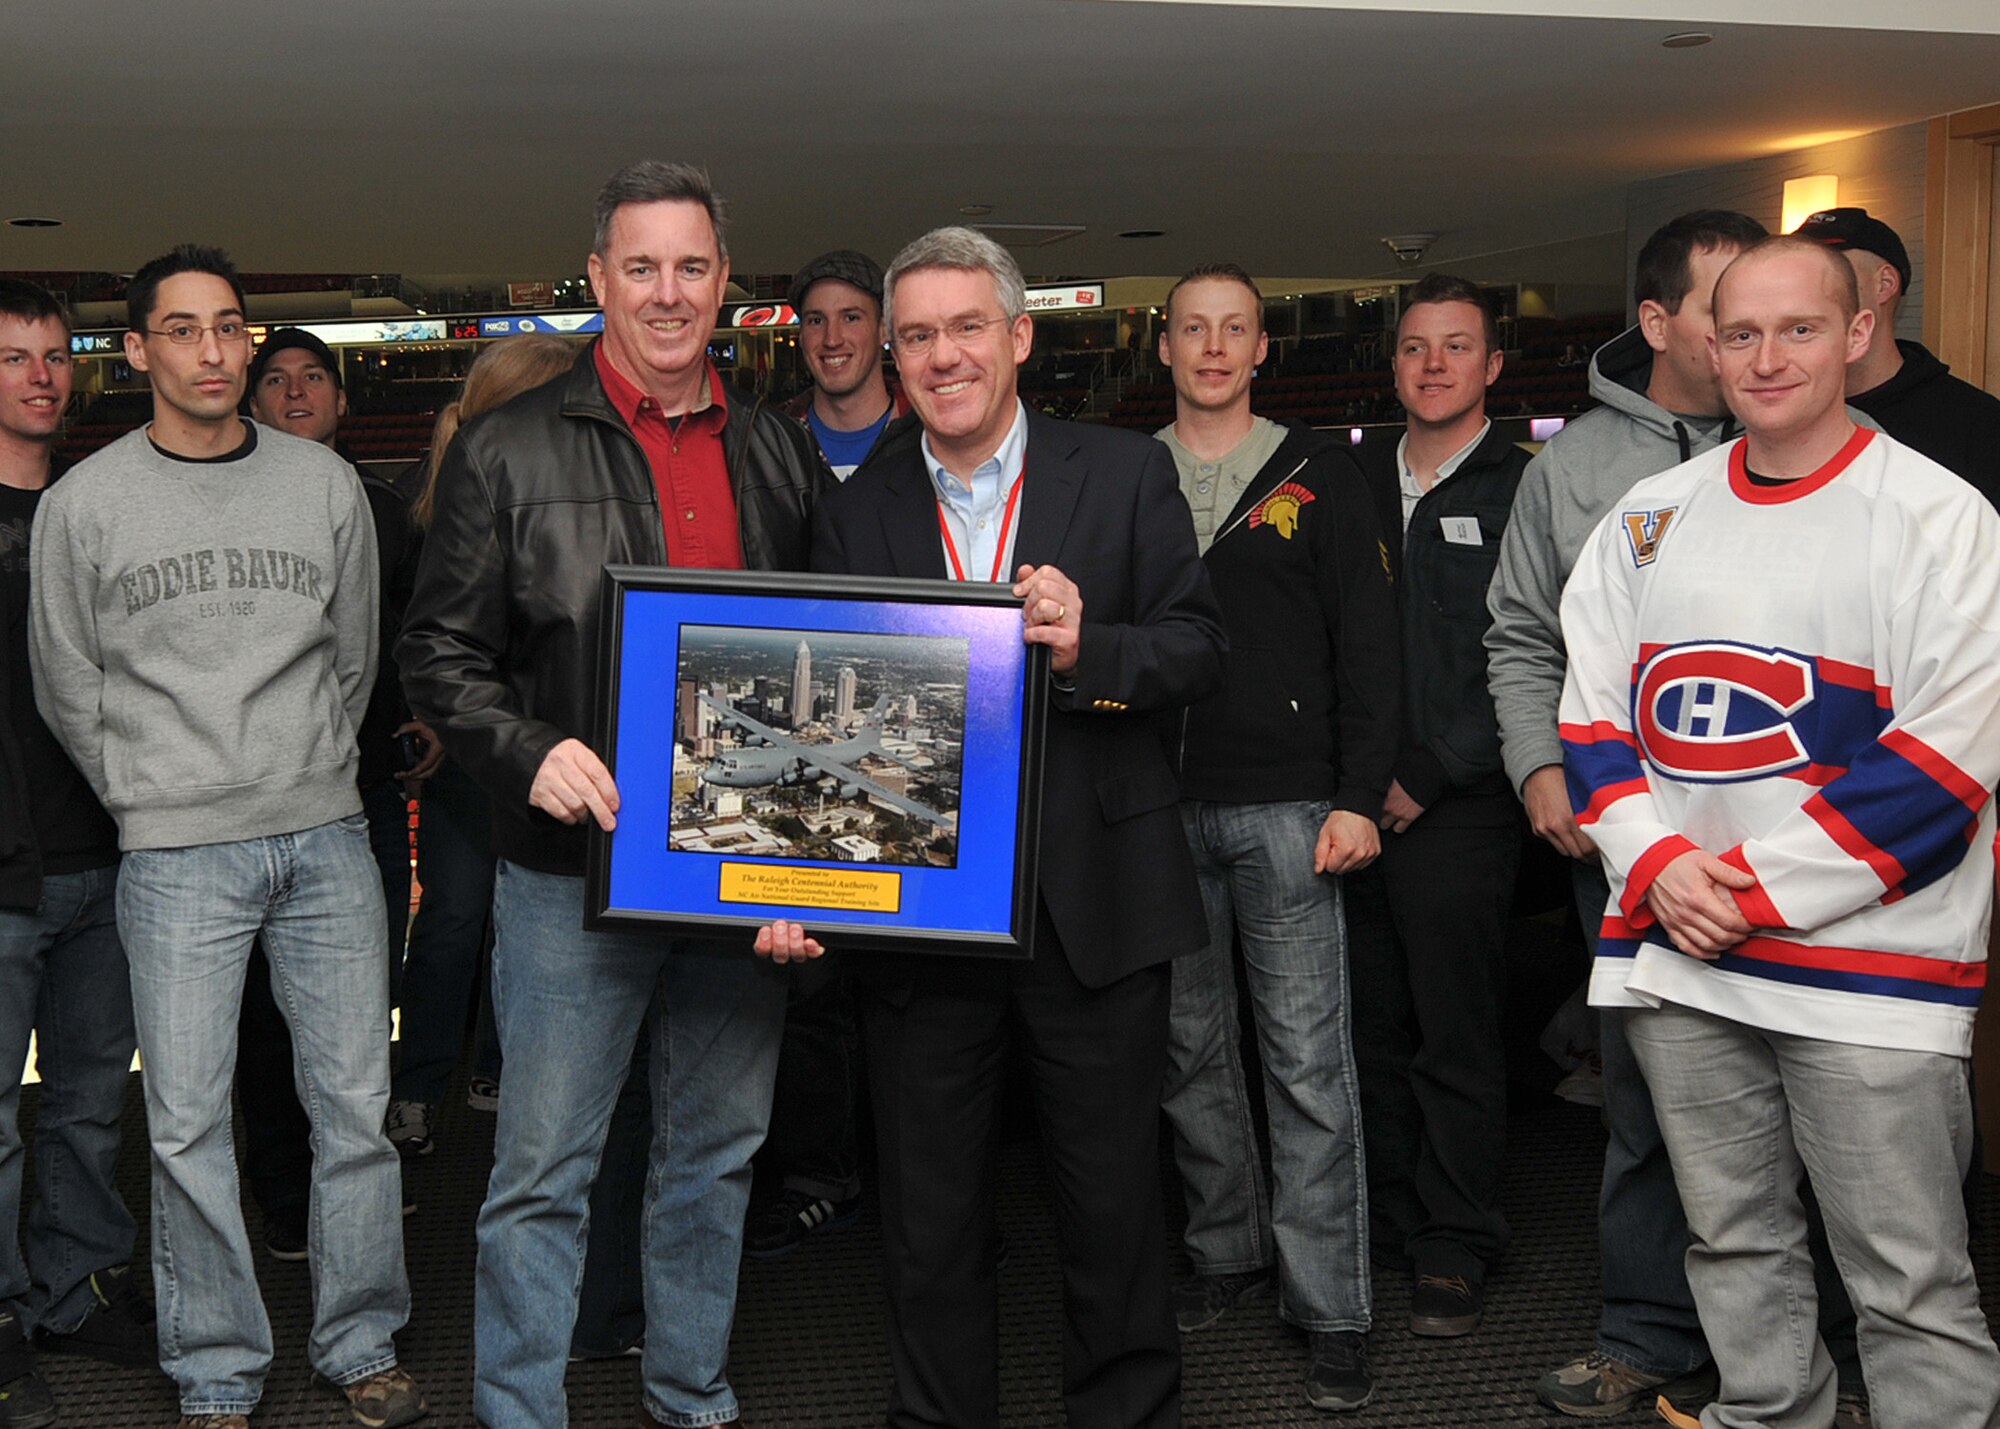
[188, 334]
[917, 341]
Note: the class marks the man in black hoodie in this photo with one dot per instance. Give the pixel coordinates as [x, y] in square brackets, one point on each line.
[1283, 774]
[1909, 393]
[1428, 964]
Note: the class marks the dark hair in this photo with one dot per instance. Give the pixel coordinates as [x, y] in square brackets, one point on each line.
[1226, 271]
[31, 303]
[1450, 288]
[1846, 288]
[142, 293]
[657, 181]
[1664, 274]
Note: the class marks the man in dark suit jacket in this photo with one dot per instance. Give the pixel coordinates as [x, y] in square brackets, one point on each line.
[1090, 522]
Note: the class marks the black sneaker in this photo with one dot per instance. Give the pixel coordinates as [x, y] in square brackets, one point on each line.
[409, 1128]
[25, 1400]
[285, 1235]
[1443, 1307]
[25, 1403]
[1339, 1378]
[1201, 1300]
[119, 1328]
[781, 1224]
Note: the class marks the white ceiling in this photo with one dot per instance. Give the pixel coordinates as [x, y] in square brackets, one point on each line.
[467, 136]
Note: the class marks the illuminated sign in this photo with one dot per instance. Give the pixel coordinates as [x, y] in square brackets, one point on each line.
[1063, 297]
[531, 295]
[592, 321]
[405, 330]
[89, 343]
[763, 315]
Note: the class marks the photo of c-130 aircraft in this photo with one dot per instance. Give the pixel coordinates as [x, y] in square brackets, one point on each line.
[777, 758]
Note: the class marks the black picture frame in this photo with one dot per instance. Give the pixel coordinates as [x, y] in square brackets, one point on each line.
[715, 836]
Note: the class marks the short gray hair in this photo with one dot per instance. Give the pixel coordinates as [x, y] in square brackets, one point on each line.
[657, 181]
[962, 248]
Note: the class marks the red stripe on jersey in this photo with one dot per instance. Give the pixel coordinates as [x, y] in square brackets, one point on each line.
[1962, 786]
[1854, 843]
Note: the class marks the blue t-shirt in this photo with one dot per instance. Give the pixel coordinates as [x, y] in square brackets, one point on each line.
[846, 450]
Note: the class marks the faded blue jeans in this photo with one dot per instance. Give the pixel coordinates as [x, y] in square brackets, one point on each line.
[1254, 863]
[1886, 1136]
[570, 1005]
[188, 916]
[62, 976]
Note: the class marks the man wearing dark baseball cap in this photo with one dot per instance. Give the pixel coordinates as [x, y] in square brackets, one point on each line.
[295, 386]
[838, 297]
[1911, 394]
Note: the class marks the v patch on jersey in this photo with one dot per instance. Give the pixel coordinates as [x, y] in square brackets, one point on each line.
[1644, 530]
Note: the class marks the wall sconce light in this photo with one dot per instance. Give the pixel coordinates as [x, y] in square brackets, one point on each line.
[1806, 197]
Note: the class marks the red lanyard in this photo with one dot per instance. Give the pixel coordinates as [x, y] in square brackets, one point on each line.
[1000, 551]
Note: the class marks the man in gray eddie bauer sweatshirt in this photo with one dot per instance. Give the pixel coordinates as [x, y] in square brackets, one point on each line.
[203, 639]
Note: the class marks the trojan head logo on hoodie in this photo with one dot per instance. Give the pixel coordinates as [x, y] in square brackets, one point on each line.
[1280, 510]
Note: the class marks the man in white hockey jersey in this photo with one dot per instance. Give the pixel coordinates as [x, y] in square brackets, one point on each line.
[1781, 726]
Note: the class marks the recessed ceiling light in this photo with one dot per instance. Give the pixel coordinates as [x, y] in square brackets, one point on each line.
[35, 222]
[975, 210]
[1144, 233]
[1686, 39]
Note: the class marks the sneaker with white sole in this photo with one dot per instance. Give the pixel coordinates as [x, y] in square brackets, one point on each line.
[409, 1128]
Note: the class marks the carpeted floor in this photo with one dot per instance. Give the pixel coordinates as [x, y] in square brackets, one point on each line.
[808, 1350]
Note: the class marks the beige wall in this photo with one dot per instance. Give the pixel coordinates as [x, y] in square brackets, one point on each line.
[1882, 172]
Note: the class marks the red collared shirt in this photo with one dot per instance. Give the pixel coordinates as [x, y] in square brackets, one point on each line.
[697, 505]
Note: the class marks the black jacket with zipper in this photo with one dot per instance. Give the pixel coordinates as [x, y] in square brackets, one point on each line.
[1451, 735]
[1307, 709]
[499, 649]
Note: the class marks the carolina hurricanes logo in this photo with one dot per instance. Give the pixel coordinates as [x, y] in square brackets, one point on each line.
[1645, 530]
[1281, 508]
[1714, 713]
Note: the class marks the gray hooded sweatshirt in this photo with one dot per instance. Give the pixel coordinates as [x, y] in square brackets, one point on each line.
[1566, 491]
[203, 636]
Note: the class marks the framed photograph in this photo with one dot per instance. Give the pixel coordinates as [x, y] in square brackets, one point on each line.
[862, 756]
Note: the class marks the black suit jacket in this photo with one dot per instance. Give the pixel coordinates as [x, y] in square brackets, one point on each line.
[1104, 507]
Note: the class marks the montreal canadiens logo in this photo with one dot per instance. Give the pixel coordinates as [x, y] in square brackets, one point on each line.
[1714, 713]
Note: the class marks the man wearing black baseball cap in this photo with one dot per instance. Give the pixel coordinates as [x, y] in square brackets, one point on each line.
[294, 385]
[1911, 394]
[838, 297]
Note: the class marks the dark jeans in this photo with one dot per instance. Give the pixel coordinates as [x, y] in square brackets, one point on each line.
[611, 1303]
[63, 979]
[811, 1146]
[277, 1149]
[1427, 929]
[447, 971]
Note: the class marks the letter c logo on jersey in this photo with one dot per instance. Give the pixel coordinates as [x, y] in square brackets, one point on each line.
[1714, 713]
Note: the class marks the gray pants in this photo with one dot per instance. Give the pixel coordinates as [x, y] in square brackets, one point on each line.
[1886, 1136]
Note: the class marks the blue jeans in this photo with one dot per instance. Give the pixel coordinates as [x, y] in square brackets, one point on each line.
[1254, 863]
[570, 1004]
[441, 977]
[188, 916]
[62, 976]
[1648, 1318]
[1886, 1136]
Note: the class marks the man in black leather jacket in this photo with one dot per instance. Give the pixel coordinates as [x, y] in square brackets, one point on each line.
[639, 455]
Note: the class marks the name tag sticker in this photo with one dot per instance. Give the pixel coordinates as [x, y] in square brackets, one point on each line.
[1461, 530]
